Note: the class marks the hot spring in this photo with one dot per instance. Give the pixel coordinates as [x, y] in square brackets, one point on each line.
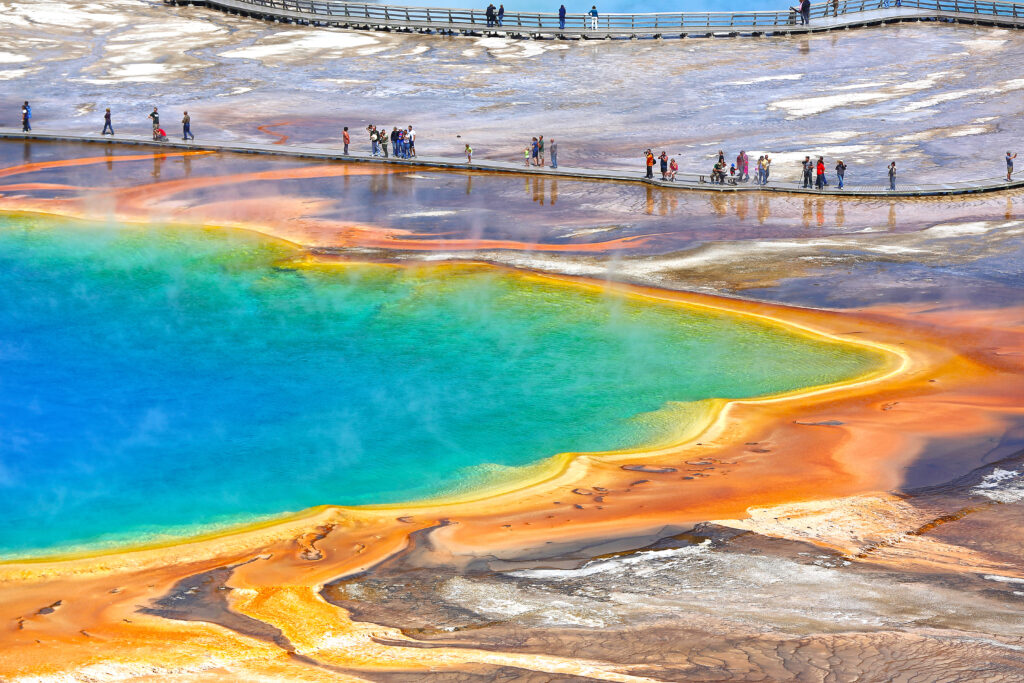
[157, 382]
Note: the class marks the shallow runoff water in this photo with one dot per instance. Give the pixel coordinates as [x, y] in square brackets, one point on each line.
[156, 382]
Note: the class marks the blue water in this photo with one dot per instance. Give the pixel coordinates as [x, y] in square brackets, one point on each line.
[160, 381]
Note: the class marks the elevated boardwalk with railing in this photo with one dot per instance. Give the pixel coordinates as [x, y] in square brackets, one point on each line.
[684, 181]
[826, 16]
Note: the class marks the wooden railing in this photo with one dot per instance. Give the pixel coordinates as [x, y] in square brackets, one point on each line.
[395, 16]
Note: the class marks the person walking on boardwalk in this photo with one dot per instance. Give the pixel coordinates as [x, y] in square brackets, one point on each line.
[663, 159]
[345, 139]
[540, 151]
[26, 117]
[593, 18]
[106, 123]
[808, 169]
[805, 12]
[840, 172]
[501, 14]
[186, 127]
[649, 158]
[1009, 166]
[892, 175]
[561, 18]
[767, 166]
[820, 181]
[554, 154]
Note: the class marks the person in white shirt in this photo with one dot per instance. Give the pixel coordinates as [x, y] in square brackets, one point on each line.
[411, 136]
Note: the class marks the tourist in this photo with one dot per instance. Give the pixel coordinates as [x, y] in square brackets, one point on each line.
[663, 159]
[673, 168]
[593, 18]
[561, 17]
[107, 126]
[372, 131]
[382, 133]
[743, 166]
[154, 116]
[892, 175]
[186, 127]
[805, 12]
[721, 158]
[412, 142]
[649, 159]
[758, 171]
[534, 152]
[394, 140]
[346, 139]
[1009, 166]
[820, 181]
[767, 165]
[540, 151]
[26, 117]
[501, 14]
[554, 154]
[732, 170]
[489, 14]
[526, 155]
[808, 170]
[840, 172]
[469, 154]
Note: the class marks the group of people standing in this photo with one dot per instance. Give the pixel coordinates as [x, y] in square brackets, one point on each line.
[495, 17]
[533, 155]
[402, 141]
[816, 170]
[159, 134]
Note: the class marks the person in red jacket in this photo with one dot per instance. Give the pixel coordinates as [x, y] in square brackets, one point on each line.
[820, 182]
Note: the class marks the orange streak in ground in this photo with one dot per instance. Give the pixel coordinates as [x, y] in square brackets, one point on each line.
[282, 216]
[281, 137]
[86, 161]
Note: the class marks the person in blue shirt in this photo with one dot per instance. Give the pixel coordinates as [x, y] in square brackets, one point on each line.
[561, 17]
[593, 17]
[501, 14]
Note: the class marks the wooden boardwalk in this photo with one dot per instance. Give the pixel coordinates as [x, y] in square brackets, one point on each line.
[825, 16]
[685, 181]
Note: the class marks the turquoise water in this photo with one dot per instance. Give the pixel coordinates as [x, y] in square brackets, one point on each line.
[160, 381]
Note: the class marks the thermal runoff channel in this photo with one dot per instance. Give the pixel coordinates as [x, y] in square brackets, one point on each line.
[157, 382]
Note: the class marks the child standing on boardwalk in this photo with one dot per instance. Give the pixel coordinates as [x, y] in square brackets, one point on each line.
[469, 154]
[1009, 165]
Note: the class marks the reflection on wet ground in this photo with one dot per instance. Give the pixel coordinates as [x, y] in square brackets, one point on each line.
[808, 250]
